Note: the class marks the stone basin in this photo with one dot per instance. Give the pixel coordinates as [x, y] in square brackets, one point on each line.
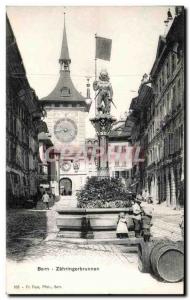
[89, 222]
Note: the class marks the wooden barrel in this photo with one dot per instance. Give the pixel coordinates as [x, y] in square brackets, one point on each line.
[167, 261]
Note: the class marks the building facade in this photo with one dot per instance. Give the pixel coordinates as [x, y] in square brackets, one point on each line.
[165, 154]
[119, 150]
[66, 113]
[137, 122]
[157, 121]
[24, 114]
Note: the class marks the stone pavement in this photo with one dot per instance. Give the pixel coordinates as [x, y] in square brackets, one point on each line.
[31, 242]
[66, 202]
[165, 221]
[32, 232]
[28, 228]
[117, 270]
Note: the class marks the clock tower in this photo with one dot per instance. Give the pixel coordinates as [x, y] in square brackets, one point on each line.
[66, 112]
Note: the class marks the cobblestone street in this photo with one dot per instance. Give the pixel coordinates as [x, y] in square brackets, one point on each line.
[30, 232]
[31, 240]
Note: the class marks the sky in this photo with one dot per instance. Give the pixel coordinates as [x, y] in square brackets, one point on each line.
[134, 32]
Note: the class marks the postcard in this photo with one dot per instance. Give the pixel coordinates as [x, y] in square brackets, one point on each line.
[95, 99]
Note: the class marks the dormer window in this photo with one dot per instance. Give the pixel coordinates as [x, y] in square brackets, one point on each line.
[65, 92]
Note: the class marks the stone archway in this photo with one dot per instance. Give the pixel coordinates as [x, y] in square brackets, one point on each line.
[65, 186]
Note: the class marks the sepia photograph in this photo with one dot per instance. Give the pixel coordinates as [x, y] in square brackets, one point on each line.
[95, 150]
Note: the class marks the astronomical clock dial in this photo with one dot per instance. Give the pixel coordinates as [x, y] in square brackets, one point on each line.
[65, 130]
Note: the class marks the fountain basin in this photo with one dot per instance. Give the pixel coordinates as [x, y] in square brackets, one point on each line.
[88, 223]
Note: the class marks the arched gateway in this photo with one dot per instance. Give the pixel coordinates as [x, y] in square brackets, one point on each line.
[65, 187]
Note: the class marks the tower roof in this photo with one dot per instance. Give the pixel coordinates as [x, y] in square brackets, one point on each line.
[64, 56]
[65, 91]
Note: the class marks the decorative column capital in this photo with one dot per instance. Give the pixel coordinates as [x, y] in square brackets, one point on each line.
[103, 123]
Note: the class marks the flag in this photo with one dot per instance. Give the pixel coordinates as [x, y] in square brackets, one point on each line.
[103, 48]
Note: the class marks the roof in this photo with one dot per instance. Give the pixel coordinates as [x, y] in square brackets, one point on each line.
[65, 90]
[175, 34]
[145, 95]
[64, 49]
[16, 75]
[43, 137]
[121, 132]
[161, 45]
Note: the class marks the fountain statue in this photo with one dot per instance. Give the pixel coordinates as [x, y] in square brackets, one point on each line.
[103, 120]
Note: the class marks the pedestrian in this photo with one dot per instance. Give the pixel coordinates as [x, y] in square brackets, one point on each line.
[136, 207]
[45, 199]
[139, 197]
[181, 225]
[122, 229]
[146, 222]
[137, 217]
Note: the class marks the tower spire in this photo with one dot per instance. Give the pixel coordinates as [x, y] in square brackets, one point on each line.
[64, 59]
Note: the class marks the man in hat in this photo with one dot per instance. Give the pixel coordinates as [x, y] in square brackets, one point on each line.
[146, 222]
[137, 210]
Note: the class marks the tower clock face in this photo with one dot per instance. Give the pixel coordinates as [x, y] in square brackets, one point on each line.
[65, 130]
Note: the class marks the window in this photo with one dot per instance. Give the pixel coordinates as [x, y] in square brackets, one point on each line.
[160, 84]
[117, 174]
[174, 96]
[116, 148]
[167, 70]
[167, 103]
[156, 88]
[117, 163]
[173, 62]
[181, 136]
[123, 149]
[177, 139]
[159, 152]
[123, 174]
[166, 146]
[179, 52]
[179, 90]
[65, 92]
[179, 83]
[160, 111]
[171, 143]
[162, 78]
[124, 163]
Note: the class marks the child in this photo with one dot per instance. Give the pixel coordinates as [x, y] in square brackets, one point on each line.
[45, 199]
[122, 230]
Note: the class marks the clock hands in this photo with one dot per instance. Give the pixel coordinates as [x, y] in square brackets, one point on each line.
[61, 130]
[65, 130]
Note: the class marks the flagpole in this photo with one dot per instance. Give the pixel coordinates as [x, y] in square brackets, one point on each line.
[95, 72]
[95, 58]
